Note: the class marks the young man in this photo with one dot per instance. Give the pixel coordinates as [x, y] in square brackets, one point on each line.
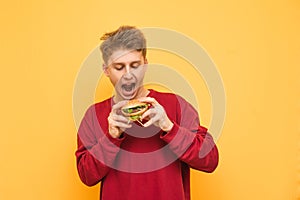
[133, 161]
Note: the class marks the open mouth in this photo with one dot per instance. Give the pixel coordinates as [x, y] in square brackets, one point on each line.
[128, 87]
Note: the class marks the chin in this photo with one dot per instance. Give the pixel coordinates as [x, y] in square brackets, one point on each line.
[128, 97]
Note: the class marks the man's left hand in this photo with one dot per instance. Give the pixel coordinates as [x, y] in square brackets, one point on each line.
[156, 114]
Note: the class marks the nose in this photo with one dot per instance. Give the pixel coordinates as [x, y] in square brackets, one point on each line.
[128, 74]
[127, 69]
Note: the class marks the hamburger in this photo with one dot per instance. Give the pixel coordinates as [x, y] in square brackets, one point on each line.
[134, 109]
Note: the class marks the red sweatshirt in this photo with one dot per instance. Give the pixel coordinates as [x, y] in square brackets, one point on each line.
[146, 163]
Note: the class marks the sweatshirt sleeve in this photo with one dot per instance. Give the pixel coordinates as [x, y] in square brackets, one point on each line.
[190, 141]
[96, 149]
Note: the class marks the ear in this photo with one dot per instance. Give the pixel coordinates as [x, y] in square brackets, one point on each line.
[146, 64]
[146, 61]
[105, 69]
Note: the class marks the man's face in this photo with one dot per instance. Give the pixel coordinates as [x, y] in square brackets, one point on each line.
[126, 70]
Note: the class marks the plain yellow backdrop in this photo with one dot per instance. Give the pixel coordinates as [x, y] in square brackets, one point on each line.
[255, 45]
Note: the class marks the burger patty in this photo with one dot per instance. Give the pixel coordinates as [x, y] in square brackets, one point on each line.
[134, 109]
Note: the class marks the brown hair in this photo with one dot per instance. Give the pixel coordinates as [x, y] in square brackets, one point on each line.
[124, 38]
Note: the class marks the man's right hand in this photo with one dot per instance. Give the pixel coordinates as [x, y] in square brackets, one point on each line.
[117, 123]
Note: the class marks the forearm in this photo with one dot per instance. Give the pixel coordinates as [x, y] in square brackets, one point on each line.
[94, 162]
[90, 170]
[198, 149]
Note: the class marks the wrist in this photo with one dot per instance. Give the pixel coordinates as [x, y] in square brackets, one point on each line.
[168, 127]
[114, 132]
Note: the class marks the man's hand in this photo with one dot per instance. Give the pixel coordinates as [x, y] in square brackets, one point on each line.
[117, 123]
[157, 115]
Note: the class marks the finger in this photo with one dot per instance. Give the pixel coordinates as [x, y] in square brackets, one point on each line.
[149, 100]
[152, 121]
[115, 120]
[148, 123]
[120, 118]
[118, 105]
[149, 113]
[120, 125]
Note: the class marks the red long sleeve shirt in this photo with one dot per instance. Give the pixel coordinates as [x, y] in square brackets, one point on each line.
[146, 163]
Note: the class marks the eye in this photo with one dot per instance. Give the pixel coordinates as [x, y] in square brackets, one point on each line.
[119, 67]
[135, 65]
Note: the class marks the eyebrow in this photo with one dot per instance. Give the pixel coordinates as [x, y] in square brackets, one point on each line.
[121, 63]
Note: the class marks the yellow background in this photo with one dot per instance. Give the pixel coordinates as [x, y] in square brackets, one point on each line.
[255, 45]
